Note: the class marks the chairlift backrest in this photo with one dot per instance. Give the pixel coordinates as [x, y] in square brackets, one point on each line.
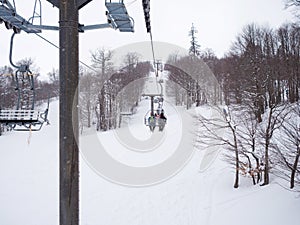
[15, 116]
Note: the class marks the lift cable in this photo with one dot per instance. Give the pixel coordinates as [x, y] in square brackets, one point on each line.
[146, 8]
[154, 62]
[152, 46]
[56, 46]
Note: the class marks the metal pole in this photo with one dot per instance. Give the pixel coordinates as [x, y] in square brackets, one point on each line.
[152, 105]
[68, 114]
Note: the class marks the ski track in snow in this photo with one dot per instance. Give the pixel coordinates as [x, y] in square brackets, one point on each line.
[195, 196]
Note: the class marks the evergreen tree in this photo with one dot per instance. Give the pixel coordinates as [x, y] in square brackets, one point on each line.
[194, 50]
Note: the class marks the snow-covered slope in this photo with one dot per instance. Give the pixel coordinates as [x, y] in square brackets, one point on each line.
[29, 191]
[194, 196]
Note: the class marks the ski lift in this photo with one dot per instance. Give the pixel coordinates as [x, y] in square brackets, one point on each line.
[24, 117]
[154, 120]
[152, 117]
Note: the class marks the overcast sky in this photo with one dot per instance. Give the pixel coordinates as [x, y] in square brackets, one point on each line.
[218, 23]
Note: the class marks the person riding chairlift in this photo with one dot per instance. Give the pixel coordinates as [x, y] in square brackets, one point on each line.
[162, 120]
[162, 115]
[152, 122]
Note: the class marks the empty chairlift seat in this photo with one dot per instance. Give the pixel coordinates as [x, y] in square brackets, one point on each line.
[118, 17]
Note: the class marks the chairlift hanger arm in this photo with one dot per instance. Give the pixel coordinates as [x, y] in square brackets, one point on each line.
[10, 51]
[21, 68]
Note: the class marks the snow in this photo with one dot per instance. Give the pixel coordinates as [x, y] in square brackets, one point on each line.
[29, 175]
[199, 191]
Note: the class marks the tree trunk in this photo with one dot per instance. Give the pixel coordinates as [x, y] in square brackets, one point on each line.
[237, 163]
[251, 169]
[237, 166]
[98, 119]
[266, 171]
[102, 112]
[267, 145]
[294, 169]
[88, 106]
[257, 167]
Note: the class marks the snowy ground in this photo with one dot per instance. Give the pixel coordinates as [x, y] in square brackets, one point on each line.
[200, 193]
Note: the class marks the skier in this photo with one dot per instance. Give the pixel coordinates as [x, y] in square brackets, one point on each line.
[152, 122]
[162, 120]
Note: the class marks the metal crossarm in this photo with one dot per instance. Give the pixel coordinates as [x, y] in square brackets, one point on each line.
[118, 17]
[18, 116]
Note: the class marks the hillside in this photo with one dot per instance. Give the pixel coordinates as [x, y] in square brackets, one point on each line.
[200, 193]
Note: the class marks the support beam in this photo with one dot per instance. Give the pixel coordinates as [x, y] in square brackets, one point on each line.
[80, 3]
[68, 113]
[152, 105]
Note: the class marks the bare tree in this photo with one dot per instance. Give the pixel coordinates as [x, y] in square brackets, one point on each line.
[54, 80]
[6, 91]
[248, 138]
[288, 148]
[221, 130]
[87, 98]
[130, 60]
[273, 120]
[173, 88]
[101, 58]
[130, 94]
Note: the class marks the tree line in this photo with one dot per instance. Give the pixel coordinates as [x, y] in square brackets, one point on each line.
[103, 93]
[260, 82]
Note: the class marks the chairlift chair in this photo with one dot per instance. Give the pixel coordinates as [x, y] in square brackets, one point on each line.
[118, 17]
[24, 117]
[158, 121]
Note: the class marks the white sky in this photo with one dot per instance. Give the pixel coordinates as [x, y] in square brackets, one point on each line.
[218, 22]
